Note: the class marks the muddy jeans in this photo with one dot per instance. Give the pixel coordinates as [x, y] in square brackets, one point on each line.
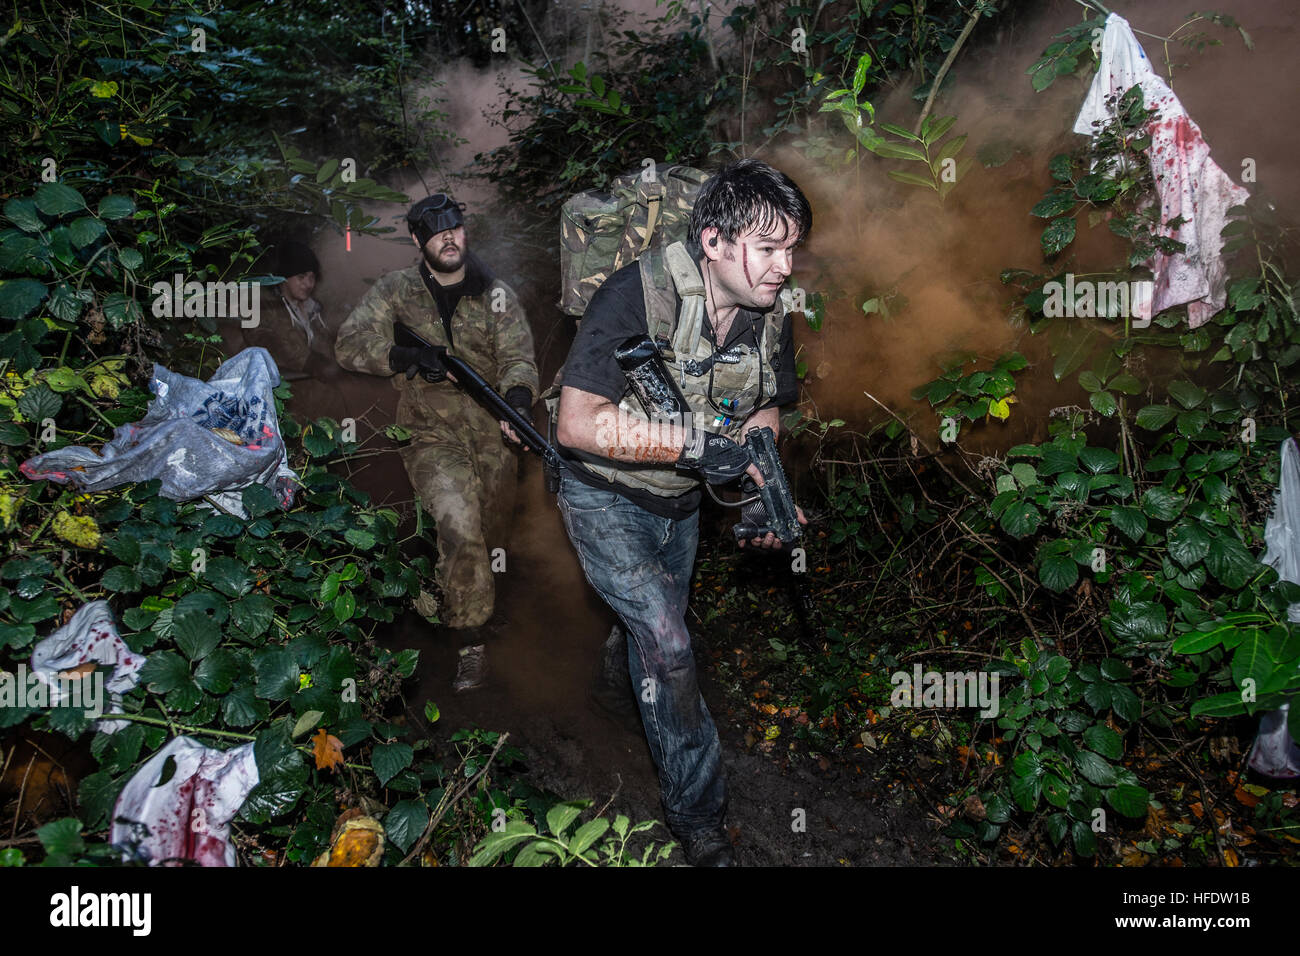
[641, 565]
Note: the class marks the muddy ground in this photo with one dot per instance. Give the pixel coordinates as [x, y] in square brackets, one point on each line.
[543, 663]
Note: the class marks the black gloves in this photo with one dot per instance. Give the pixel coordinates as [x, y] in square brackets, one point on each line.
[520, 399]
[411, 360]
[716, 457]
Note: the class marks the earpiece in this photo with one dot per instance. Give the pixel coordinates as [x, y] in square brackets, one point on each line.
[713, 241]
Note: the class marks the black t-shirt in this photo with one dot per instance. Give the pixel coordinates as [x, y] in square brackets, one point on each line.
[617, 312]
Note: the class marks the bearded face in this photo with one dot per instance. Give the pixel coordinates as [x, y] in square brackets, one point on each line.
[445, 251]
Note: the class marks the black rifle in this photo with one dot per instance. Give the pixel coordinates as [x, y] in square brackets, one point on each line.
[770, 508]
[476, 387]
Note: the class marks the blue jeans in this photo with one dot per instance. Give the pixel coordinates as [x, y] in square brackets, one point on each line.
[641, 565]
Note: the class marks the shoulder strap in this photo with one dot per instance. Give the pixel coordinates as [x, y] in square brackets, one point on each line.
[690, 289]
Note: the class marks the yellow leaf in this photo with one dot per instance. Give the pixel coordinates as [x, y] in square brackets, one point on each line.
[999, 408]
[104, 90]
[79, 531]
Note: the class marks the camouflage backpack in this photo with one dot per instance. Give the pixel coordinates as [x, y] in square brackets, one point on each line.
[600, 232]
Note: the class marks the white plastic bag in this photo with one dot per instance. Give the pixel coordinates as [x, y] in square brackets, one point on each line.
[176, 441]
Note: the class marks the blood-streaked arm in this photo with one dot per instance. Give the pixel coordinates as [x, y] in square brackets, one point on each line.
[592, 423]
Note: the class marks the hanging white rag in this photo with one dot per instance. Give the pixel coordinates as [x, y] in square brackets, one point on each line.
[1188, 182]
[1275, 754]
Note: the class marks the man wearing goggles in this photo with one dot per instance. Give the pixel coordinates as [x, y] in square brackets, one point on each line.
[457, 460]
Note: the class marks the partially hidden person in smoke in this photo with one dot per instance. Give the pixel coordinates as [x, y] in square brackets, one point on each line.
[457, 459]
[291, 323]
[630, 497]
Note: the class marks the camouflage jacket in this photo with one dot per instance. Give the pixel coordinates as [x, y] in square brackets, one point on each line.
[498, 344]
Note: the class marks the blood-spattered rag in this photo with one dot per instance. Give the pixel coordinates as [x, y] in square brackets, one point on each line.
[1189, 183]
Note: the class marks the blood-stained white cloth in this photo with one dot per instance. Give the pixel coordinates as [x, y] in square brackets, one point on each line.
[89, 636]
[1190, 184]
[189, 815]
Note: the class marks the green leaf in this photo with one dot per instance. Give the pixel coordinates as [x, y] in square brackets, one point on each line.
[1227, 704]
[61, 840]
[1095, 768]
[1021, 519]
[1128, 799]
[1053, 205]
[1155, 417]
[498, 843]
[1058, 573]
[56, 199]
[1162, 504]
[388, 760]
[912, 179]
[1073, 352]
[898, 151]
[1138, 622]
[96, 796]
[1026, 791]
[1130, 521]
[277, 674]
[1230, 562]
[85, 231]
[228, 576]
[196, 635]
[1251, 660]
[306, 722]
[253, 614]
[1103, 403]
[1099, 460]
[1186, 394]
[13, 435]
[116, 207]
[1058, 234]
[1189, 543]
[1192, 423]
[560, 816]
[240, 707]
[587, 834]
[217, 671]
[20, 297]
[259, 500]
[1105, 741]
[1085, 843]
[344, 606]
[164, 671]
[1199, 641]
[405, 822]
[22, 213]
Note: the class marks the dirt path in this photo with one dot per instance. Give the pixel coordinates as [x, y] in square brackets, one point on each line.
[542, 667]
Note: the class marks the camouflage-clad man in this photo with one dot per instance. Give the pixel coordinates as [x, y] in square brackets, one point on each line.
[456, 460]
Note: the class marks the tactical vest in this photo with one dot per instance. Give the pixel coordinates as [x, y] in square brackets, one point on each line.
[669, 274]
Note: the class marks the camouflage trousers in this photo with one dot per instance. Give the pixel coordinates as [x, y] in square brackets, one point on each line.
[465, 477]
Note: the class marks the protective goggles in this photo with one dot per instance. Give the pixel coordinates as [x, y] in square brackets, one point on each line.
[436, 214]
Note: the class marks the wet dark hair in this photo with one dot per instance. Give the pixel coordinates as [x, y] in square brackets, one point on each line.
[744, 195]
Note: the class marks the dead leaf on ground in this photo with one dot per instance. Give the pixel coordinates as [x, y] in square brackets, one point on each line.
[327, 749]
